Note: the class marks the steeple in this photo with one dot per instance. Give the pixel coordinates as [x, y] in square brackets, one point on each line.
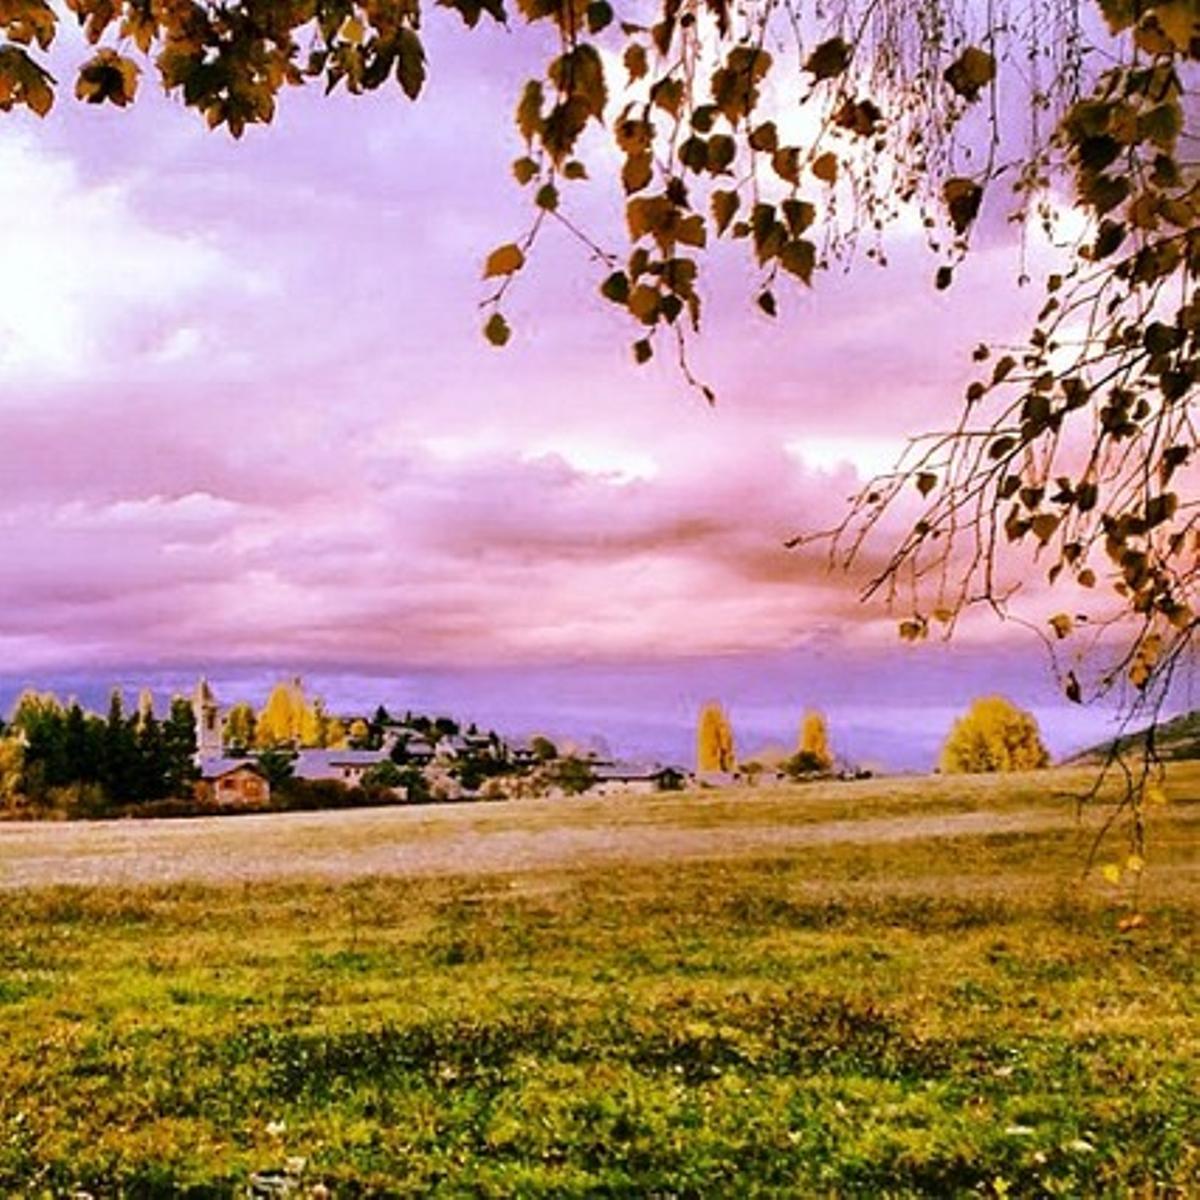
[209, 724]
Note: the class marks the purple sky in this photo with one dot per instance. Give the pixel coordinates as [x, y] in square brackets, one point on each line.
[248, 425]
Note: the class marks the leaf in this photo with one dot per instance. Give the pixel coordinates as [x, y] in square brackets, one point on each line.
[504, 260]
[825, 167]
[766, 301]
[786, 162]
[524, 169]
[635, 62]
[644, 303]
[616, 288]
[529, 110]
[107, 77]
[1043, 526]
[410, 62]
[799, 215]
[637, 172]
[575, 170]
[579, 74]
[971, 72]
[643, 351]
[963, 197]
[1072, 690]
[765, 138]
[926, 482]
[724, 208]
[1111, 872]
[496, 330]
[829, 59]
[799, 257]
[599, 16]
[1155, 795]
[547, 197]
[1062, 625]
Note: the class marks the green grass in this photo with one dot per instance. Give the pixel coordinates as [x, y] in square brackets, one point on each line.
[933, 1017]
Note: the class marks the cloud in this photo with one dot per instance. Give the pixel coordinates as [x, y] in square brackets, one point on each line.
[248, 416]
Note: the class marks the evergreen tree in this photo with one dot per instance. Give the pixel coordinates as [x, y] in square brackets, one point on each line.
[119, 757]
[179, 743]
[80, 764]
[153, 763]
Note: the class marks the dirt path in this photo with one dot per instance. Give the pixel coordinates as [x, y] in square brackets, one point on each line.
[521, 836]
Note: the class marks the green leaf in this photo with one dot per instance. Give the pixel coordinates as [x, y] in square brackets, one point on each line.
[547, 197]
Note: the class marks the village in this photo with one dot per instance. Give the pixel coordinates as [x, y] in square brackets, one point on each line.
[241, 759]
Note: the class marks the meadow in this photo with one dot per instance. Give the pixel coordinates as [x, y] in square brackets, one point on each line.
[953, 1012]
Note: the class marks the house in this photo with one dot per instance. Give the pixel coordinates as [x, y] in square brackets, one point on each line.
[612, 779]
[346, 766]
[232, 782]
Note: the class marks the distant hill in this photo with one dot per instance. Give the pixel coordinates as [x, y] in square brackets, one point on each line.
[1178, 738]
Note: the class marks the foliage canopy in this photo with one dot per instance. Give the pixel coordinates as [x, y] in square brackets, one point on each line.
[993, 735]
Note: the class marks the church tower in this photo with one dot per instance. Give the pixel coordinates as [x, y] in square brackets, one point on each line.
[209, 725]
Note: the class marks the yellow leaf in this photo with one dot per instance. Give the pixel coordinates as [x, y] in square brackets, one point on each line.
[1111, 873]
[352, 31]
[1155, 795]
[1062, 624]
[1135, 863]
[504, 260]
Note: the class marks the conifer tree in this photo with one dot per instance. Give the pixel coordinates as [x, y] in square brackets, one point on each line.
[179, 738]
[119, 758]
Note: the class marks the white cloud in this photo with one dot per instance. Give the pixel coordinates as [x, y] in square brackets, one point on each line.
[88, 282]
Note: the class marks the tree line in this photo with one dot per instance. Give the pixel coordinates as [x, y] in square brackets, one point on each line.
[992, 735]
[61, 756]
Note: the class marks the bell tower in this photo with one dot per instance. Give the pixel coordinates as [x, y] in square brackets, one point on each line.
[209, 725]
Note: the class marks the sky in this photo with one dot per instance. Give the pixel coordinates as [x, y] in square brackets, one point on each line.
[249, 427]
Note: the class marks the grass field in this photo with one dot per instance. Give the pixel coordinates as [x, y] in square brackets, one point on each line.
[945, 1015]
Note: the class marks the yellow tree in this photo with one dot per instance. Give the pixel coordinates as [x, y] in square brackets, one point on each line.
[714, 740]
[240, 725]
[288, 717]
[993, 735]
[814, 741]
[12, 767]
